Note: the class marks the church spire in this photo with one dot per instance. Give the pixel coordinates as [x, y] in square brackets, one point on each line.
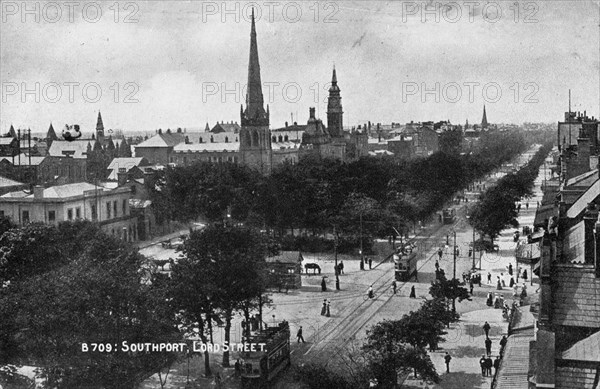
[255, 112]
[484, 122]
[99, 128]
[335, 113]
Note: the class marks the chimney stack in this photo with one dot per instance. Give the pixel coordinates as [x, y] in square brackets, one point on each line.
[38, 192]
[121, 177]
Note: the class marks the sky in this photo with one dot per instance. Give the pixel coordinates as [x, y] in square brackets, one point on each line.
[166, 64]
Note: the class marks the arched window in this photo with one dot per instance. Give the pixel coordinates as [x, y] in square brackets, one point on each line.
[274, 138]
[280, 138]
[254, 138]
[226, 140]
[285, 138]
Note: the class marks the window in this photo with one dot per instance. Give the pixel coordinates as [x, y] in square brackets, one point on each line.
[94, 213]
[51, 216]
[78, 213]
[124, 206]
[70, 213]
[108, 210]
[115, 207]
[25, 217]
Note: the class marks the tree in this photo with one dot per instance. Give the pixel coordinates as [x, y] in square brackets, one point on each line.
[226, 264]
[390, 351]
[450, 290]
[29, 250]
[96, 294]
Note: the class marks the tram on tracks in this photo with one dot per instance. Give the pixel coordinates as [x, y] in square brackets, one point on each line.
[405, 263]
[448, 216]
[261, 367]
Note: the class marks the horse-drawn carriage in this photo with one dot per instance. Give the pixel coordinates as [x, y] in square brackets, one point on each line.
[312, 266]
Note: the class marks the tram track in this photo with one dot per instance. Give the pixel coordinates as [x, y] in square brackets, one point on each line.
[346, 330]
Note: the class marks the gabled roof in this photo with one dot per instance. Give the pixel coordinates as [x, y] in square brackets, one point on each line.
[6, 140]
[225, 127]
[60, 191]
[587, 349]
[163, 140]
[587, 197]
[23, 160]
[79, 147]
[126, 163]
[7, 182]
[584, 179]
[576, 296]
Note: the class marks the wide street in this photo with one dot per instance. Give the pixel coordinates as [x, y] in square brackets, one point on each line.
[330, 338]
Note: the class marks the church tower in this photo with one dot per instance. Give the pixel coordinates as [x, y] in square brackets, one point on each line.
[335, 113]
[255, 136]
[100, 129]
[484, 122]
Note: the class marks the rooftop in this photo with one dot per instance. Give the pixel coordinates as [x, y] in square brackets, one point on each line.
[576, 296]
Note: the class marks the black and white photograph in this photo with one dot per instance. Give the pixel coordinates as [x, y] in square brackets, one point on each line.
[303, 194]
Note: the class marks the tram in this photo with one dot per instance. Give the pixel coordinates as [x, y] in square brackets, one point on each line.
[405, 263]
[448, 216]
[261, 367]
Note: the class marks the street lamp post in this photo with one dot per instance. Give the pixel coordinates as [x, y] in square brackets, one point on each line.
[454, 272]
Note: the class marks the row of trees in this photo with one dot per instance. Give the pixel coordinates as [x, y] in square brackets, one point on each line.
[315, 194]
[64, 288]
[67, 287]
[497, 207]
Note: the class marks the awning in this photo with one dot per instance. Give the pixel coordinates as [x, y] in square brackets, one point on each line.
[527, 252]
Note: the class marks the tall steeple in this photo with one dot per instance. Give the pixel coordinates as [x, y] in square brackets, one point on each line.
[335, 113]
[255, 114]
[255, 136]
[51, 134]
[100, 128]
[484, 122]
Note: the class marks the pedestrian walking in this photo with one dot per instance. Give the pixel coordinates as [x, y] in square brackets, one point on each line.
[479, 279]
[394, 286]
[323, 285]
[437, 265]
[413, 293]
[512, 282]
[362, 265]
[324, 308]
[515, 290]
[328, 313]
[496, 364]
[488, 346]
[525, 275]
[237, 368]
[488, 365]
[299, 335]
[341, 267]
[503, 342]
[486, 329]
[510, 269]
[337, 283]
[440, 253]
[471, 287]
[489, 278]
[370, 262]
[482, 365]
[489, 301]
[447, 359]
[370, 292]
